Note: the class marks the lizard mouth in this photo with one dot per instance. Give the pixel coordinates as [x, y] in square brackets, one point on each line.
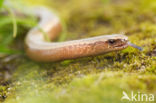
[121, 45]
[125, 44]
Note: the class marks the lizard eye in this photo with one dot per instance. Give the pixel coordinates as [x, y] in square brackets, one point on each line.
[111, 41]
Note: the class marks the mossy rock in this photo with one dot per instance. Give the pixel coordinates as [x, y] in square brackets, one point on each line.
[98, 79]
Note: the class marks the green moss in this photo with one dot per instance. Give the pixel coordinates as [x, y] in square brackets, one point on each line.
[90, 79]
[100, 87]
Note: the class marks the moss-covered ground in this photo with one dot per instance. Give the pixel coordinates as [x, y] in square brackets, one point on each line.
[99, 79]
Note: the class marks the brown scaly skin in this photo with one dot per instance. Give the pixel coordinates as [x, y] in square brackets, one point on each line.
[39, 50]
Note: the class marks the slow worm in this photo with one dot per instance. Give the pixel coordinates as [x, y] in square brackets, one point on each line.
[40, 50]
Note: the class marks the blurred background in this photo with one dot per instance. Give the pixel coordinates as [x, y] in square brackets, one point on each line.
[100, 79]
